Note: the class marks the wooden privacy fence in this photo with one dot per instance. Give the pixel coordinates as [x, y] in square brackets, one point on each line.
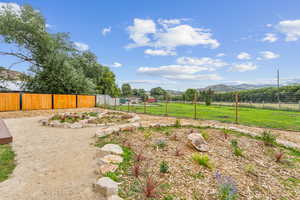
[28, 101]
[9, 101]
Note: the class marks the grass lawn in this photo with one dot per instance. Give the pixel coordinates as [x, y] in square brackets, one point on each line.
[287, 120]
[7, 162]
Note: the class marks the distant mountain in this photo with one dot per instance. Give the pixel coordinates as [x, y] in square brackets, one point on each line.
[10, 74]
[232, 88]
[10, 79]
[174, 92]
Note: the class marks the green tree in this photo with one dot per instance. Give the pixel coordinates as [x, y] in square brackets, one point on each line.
[55, 64]
[126, 90]
[157, 92]
[190, 94]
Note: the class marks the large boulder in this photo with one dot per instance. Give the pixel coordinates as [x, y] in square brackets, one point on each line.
[112, 148]
[106, 187]
[198, 142]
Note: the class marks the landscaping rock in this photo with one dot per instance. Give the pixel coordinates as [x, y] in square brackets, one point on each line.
[112, 159]
[114, 197]
[112, 148]
[198, 142]
[107, 187]
[107, 168]
[76, 125]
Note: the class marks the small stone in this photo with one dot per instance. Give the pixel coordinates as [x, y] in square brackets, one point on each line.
[112, 159]
[76, 125]
[107, 187]
[112, 148]
[114, 197]
[107, 168]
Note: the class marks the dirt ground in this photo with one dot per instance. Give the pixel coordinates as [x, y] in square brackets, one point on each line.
[58, 163]
[52, 163]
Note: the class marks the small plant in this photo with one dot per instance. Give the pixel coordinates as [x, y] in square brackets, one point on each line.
[164, 168]
[226, 134]
[113, 176]
[136, 170]
[161, 143]
[150, 189]
[177, 123]
[205, 135]
[178, 152]
[227, 189]
[250, 169]
[268, 138]
[202, 160]
[236, 149]
[139, 157]
[169, 197]
[198, 175]
[279, 156]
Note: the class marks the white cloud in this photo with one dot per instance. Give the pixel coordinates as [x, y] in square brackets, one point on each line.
[194, 77]
[105, 31]
[269, 25]
[291, 28]
[244, 56]
[15, 8]
[185, 35]
[169, 21]
[159, 52]
[144, 33]
[268, 55]
[220, 55]
[116, 64]
[139, 32]
[243, 67]
[209, 63]
[171, 70]
[81, 46]
[270, 37]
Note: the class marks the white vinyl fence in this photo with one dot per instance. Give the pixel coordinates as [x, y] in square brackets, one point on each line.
[107, 100]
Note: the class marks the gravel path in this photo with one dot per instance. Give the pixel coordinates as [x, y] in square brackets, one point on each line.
[52, 163]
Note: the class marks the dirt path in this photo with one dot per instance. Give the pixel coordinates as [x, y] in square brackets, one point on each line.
[52, 163]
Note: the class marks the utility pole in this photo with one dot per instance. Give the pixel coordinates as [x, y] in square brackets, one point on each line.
[278, 92]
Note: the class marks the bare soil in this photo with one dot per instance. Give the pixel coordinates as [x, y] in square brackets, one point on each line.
[52, 163]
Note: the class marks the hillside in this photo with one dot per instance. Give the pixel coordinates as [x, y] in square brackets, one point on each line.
[8, 74]
[232, 88]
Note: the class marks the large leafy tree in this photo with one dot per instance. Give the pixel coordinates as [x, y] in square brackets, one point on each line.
[158, 92]
[55, 65]
[126, 90]
[191, 94]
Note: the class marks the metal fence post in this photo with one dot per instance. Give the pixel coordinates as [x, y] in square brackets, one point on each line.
[144, 107]
[115, 103]
[128, 105]
[236, 108]
[299, 104]
[166, 114]
[195, 106]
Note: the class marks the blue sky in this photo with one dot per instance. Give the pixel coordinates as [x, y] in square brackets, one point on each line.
[181, 44]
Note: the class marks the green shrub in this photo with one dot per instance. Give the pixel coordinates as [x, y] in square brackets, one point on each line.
[161, 143]
[168, 197]
[202, 160]
[177, 123]
[205, 135]
[164, 168]
[236, 149]
[268, 138]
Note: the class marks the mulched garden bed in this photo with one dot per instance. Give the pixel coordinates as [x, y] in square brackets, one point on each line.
[236, 166]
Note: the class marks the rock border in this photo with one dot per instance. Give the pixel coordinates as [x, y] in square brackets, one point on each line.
[84, 123]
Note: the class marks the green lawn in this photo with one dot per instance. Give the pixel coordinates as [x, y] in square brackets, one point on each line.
[287, 120]
[7, 162]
